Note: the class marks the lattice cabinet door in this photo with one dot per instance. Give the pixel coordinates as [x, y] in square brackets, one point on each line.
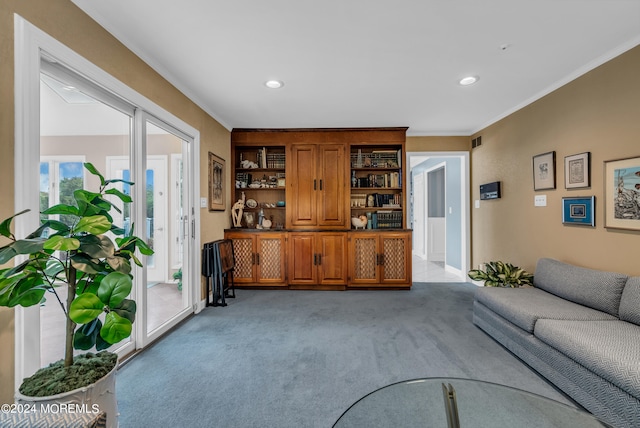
[396, 253]
[244, 253]
[363, 266]
[270, 251]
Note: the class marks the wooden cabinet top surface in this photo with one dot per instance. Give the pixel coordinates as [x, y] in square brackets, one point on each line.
[372, 136]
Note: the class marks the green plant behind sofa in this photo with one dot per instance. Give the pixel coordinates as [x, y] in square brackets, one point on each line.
[501, 274]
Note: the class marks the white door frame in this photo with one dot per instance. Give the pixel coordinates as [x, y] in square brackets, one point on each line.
[419, 223]
[29, 44]
[465, 206]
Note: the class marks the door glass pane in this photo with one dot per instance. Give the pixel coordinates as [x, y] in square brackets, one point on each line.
[45, 193]
[150, 191]
[165, 226]
[75, 128]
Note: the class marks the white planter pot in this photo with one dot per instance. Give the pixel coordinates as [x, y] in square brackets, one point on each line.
[97, 397]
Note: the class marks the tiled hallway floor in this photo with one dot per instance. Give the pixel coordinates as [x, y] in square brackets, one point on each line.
[424, 271]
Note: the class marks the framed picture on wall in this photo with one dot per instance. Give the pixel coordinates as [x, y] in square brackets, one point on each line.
[577, 171]
[216, 183]
[622, 193]
[544, 171]
[579, 211]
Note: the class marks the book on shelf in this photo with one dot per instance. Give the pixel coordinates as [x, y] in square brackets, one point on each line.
[243, 177]
[390, 180]
[387, 201]
[388, 219]
[266, 159]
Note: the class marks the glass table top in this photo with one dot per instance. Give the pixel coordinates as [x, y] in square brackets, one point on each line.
[422, 403]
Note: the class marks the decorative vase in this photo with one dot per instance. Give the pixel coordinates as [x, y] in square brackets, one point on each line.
[354, 179]
[97, 397]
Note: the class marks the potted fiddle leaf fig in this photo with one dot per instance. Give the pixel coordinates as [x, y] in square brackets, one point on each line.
[501, 274]
[89, 257]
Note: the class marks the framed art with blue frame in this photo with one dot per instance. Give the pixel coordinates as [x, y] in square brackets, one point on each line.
[579, 211]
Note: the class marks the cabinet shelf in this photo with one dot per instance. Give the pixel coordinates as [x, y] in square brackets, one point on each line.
[259, 169]
[264, 208]
[376, 208]
[259, 189]
[375, 189]
[373, 168]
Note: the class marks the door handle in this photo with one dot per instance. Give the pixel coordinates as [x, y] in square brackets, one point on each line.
[315, 259]
[320, 184]
[319, 259]
[314, 184]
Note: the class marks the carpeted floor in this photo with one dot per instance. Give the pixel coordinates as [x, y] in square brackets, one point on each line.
[301, 358]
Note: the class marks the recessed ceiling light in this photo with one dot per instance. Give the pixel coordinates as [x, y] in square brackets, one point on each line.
[274, 84]
[470, 80]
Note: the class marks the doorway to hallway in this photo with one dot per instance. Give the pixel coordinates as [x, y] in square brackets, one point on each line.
[439, 215]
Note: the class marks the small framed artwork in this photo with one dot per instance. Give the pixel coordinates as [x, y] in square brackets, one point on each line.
[249, 220]
[544, 171]
[281, 182]
[622, 193]
[216, 183]
[577, 171]
[579, 210]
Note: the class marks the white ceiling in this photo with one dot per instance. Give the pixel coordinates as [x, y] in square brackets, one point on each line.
[354, 63]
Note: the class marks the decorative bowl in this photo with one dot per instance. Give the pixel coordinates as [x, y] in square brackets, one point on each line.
[280, 204]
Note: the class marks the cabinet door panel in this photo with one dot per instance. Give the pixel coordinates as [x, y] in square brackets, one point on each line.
[332, 191]
[364, 263]
[302, 184]
[302, 269]
[271, 259]
[395, 262]
[243, 252]
[333, 258]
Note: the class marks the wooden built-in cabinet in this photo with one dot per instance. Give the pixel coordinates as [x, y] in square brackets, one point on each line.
[379, 259]
[317, 258]
[316, 192]
[259, 258]
[376, 182]
[310, 183]
[258, 172]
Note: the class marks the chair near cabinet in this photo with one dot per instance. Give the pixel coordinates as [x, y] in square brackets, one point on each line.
[218, 263]
[227, 265]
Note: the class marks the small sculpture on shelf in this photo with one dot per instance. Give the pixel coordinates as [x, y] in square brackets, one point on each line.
[260, 218]
[236, 211]
[359, 222]
[247, 164]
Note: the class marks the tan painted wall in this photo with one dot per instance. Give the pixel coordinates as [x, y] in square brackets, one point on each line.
[438, 144]
[598, 113]
[65, 22]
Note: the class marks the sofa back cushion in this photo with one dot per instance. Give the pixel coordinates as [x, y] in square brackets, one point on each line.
[593, 288]
[630, 302]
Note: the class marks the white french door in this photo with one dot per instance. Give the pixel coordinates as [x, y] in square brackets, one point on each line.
[155, 221]
[147, 141]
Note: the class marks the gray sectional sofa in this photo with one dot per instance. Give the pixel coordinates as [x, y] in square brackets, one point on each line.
[577, 327]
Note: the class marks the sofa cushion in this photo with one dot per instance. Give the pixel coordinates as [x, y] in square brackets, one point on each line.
[594, 288]
[630, 302]
[610, 349]
[524, 306]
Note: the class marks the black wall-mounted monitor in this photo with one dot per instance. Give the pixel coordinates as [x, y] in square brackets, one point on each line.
[490, 191]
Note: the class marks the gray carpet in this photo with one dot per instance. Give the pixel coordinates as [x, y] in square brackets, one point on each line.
[301, 358]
